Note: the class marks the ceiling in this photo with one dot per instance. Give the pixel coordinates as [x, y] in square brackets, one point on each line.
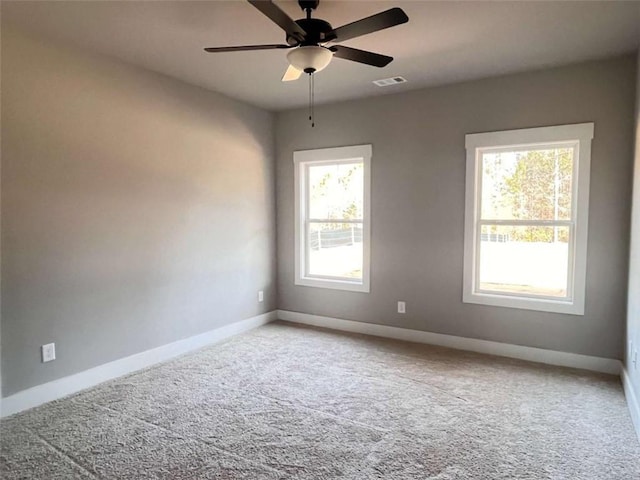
[444, 42]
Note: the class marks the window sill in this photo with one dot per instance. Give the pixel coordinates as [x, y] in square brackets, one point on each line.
[541, 305]
[333, 284]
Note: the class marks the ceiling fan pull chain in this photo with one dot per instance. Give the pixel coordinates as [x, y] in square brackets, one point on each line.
[311, 99]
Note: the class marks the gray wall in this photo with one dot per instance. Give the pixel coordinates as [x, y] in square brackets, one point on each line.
[633, 312]
[418, 172]
[136, 210]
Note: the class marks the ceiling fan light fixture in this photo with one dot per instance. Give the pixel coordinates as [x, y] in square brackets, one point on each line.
[310, 58]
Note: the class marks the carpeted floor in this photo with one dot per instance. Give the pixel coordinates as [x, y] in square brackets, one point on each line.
[287, 402]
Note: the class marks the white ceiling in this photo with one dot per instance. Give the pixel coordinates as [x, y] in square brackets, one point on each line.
[444, 42]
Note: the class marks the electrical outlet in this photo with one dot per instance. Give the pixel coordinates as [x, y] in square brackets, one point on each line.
[48, 352]
[260, 296]
[402, 308]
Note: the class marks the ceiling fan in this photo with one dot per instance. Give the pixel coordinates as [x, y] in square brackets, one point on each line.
[307, 38]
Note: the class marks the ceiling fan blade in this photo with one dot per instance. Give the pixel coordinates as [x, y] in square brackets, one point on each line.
[360, 56]
[284, 21]
[246, 47]
[292, 73]
[379, 21]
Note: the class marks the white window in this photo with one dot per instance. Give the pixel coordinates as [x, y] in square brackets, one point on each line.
[332, 217]
[527, 201]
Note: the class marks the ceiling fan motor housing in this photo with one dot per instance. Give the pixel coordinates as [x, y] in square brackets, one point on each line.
[316, 29]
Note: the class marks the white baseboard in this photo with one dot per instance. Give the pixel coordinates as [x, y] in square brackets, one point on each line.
[32, 397]
[551, 357]
[632, 401]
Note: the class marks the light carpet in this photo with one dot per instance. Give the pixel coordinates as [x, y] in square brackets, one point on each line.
[290, 402]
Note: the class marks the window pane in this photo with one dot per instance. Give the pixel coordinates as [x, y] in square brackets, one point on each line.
[335, 250]
[336, 191]
[527, 185]
[524, 260]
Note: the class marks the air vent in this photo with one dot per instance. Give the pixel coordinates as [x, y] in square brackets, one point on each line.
[385, 82]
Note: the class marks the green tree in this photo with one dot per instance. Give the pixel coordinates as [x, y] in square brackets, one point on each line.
[325, 187]
[540, 189]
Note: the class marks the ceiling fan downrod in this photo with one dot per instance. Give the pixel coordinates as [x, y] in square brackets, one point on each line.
[308, 6]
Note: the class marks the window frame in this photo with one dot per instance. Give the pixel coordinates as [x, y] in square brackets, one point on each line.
[331, 156]
[579, 137]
